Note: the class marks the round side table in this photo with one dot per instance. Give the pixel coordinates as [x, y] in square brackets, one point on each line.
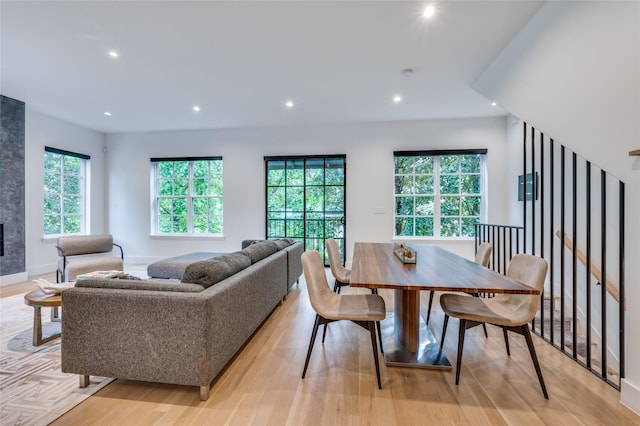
[38, 300]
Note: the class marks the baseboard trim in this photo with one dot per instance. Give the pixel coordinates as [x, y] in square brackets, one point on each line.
[13, 278]
[630, 396]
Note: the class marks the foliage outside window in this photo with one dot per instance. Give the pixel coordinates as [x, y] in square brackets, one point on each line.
[437, 195]
[64, 192]
[306, 199]
[188, 196]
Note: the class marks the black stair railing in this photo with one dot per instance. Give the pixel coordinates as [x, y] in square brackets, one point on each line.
[573, 216]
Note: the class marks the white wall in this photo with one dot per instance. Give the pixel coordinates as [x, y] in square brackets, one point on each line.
[40, 131]
[573, 73]
[369, 150]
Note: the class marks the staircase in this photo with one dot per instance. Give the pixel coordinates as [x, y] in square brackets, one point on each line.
[566, 324]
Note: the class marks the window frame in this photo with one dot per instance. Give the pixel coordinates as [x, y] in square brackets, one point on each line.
[189, 197]
[83, 194]
[437, 214]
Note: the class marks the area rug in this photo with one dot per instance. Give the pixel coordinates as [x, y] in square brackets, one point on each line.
[33, 390]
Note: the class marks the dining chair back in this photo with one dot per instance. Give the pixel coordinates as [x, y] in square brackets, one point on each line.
[341, 274]
[483, 255]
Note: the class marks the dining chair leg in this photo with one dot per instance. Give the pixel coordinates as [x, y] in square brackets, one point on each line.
[372, 331]
[506, 341]
[379, 336]
[324, 332]
[313, 338]
[461, 332]
[336, 287]
[534, 358]
[484, 327]
[429, 308]
[444, 332]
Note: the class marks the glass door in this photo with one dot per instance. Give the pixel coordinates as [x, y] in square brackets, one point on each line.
[305, 200]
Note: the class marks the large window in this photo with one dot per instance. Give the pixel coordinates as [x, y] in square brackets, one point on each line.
[306, 200]
[188, 196]
[438, 193]
[65, 175]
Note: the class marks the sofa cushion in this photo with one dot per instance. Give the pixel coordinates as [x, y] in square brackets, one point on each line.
[260, 249]
[208, 272]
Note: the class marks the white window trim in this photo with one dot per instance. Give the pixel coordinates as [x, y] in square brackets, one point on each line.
[436, 202]
[84, 197]
[154, 218]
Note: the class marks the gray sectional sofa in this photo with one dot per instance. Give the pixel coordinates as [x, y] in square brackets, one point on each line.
[168, 331]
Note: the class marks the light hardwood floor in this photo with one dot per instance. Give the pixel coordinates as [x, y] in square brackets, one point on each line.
[263, 385]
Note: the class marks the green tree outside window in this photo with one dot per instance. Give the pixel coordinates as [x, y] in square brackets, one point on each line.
[437, 195]
[64, 187]
[189, 196]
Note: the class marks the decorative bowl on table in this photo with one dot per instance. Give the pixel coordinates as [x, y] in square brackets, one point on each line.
[405, 253]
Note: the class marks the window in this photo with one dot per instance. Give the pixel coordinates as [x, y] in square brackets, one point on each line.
[306, 200]
[64, 192]
[188, 196]
[438, 193]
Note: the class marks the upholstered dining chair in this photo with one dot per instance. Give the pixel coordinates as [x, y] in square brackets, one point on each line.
[362, 309]
[341, 274]
[510, 311]
[342, 277]
[482, 258]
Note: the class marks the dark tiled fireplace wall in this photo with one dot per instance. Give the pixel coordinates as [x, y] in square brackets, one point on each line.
[12, 189]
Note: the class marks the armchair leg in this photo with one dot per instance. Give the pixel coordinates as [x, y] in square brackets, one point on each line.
[463, 329]
[313, 338]
[429, 308]
[534, 358]
[372, 331]
[506, 341]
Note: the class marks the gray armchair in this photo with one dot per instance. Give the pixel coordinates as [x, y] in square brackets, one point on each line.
[86, 253]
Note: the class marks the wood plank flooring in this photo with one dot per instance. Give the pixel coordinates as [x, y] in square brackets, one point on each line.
[262, 386]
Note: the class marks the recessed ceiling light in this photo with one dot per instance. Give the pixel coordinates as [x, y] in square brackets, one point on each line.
[196, 108]
[397, 99]
[493, 104]
[289, 104]
[113, 54]
[407, 72]
[429, 11]
[107, 113]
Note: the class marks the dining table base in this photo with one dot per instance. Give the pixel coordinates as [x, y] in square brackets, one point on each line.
[426, 356]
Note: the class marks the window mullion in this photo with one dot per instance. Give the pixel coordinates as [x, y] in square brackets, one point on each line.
[190, 193]
[436, 196]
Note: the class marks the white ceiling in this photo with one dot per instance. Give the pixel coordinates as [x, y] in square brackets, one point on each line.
[339, 61]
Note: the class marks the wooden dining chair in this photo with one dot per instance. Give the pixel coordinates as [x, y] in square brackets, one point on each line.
[364, 310]
[511, 312]
[483, 255]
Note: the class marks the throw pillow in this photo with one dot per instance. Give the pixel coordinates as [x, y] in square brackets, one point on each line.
[209, 272]
[282, 243]
[260, 250]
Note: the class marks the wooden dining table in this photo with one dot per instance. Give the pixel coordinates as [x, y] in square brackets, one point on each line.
[407, 341]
